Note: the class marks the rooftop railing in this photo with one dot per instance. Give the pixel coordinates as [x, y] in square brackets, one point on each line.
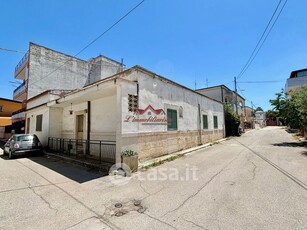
[19, 89]
[21, 62]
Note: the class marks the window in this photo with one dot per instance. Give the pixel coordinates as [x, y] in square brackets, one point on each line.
[302, 74]
[171, 119]
[39, 122]
[132, 102]
[205, 122]
[1, 108]
[215, 123]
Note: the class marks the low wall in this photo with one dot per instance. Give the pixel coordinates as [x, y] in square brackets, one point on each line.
[152, 145]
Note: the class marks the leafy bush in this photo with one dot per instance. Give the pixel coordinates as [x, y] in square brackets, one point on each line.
[232, 121]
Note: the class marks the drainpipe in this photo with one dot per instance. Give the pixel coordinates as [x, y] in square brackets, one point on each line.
[199, 125]
[88, 138]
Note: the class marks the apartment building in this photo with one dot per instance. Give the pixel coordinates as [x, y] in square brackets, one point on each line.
[43, 69]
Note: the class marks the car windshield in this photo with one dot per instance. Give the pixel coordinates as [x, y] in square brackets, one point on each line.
[26, 138]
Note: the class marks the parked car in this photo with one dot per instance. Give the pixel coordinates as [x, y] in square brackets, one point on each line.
[20, 144]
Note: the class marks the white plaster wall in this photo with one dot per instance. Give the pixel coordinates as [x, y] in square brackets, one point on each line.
[55, 122]
[44, 61]
[69, 120]
[215, 93]
[162, 95]
[103, 118]
[42, 135]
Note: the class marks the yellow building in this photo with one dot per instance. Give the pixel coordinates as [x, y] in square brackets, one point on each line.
[7, 107]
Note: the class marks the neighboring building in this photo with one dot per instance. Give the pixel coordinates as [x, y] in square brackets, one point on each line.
[43, 69]
[260, 119]
[249, 118]
[225, 95]
[7, 107]
[132, 110]
[297, 79]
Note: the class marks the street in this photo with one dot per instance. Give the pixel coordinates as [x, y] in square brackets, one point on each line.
[256, 181]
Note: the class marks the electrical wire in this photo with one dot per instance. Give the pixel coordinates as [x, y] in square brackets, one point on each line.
[92, 42]
[9, 50]
[255, 53]
[259, 82]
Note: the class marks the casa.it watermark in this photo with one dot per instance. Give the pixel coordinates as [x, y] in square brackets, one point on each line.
[120, 174]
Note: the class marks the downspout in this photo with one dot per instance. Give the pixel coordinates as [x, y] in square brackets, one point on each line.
[199, 125]
[88, 138]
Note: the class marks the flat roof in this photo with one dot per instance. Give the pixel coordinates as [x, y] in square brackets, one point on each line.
[6, 99]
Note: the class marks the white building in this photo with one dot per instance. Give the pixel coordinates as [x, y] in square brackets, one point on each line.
[42, 69]
[260, 118]
[133, 110]
[296, 80]
[225, 95]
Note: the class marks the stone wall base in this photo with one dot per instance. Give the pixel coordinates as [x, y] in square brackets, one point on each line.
[153, 145]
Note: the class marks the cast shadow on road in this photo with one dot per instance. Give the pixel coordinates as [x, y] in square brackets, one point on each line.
[72, 171]
[302, 144]
[292, 144]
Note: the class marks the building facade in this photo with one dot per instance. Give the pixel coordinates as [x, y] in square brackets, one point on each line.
[225, 95]
[249, 117]
[136, 109]
[43, 69]
[297, 79]
[7, 107]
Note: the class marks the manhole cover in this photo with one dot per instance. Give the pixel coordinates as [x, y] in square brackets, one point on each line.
[137, 203]
[119, 214]
[141, 210]
[118, 205]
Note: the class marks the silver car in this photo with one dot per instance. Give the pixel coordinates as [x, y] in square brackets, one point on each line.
[20, 144]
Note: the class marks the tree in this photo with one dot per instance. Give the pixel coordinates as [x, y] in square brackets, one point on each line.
[292, 110]
[232, 121]
[299, 98]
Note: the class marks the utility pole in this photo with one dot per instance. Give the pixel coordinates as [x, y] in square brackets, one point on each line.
[207, 82]
[236, 96]
[253, 115]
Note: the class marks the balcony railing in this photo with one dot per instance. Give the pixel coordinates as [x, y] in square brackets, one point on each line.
[94, 150]
[21, 62]
[19, 89]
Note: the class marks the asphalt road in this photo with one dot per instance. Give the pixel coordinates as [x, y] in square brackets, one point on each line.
[257, 181]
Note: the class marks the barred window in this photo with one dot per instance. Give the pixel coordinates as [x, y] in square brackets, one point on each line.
[132, 102]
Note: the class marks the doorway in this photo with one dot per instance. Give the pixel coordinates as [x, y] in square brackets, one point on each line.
[80, 145]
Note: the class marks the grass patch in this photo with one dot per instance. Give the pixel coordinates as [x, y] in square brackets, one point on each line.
[157, 163]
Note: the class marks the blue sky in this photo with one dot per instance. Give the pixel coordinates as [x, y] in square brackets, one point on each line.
[185, 41]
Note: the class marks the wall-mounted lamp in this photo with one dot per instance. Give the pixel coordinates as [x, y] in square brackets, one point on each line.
[71, 111]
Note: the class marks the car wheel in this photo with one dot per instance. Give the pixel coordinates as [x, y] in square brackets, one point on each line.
[10, 154]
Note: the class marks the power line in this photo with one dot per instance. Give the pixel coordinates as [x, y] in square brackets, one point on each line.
[14, 51]
[111, 27]
[259, 82]
[92, 42]
[257, 48]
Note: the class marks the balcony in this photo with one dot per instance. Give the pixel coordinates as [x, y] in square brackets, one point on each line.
[20, 70]
[20, 89]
